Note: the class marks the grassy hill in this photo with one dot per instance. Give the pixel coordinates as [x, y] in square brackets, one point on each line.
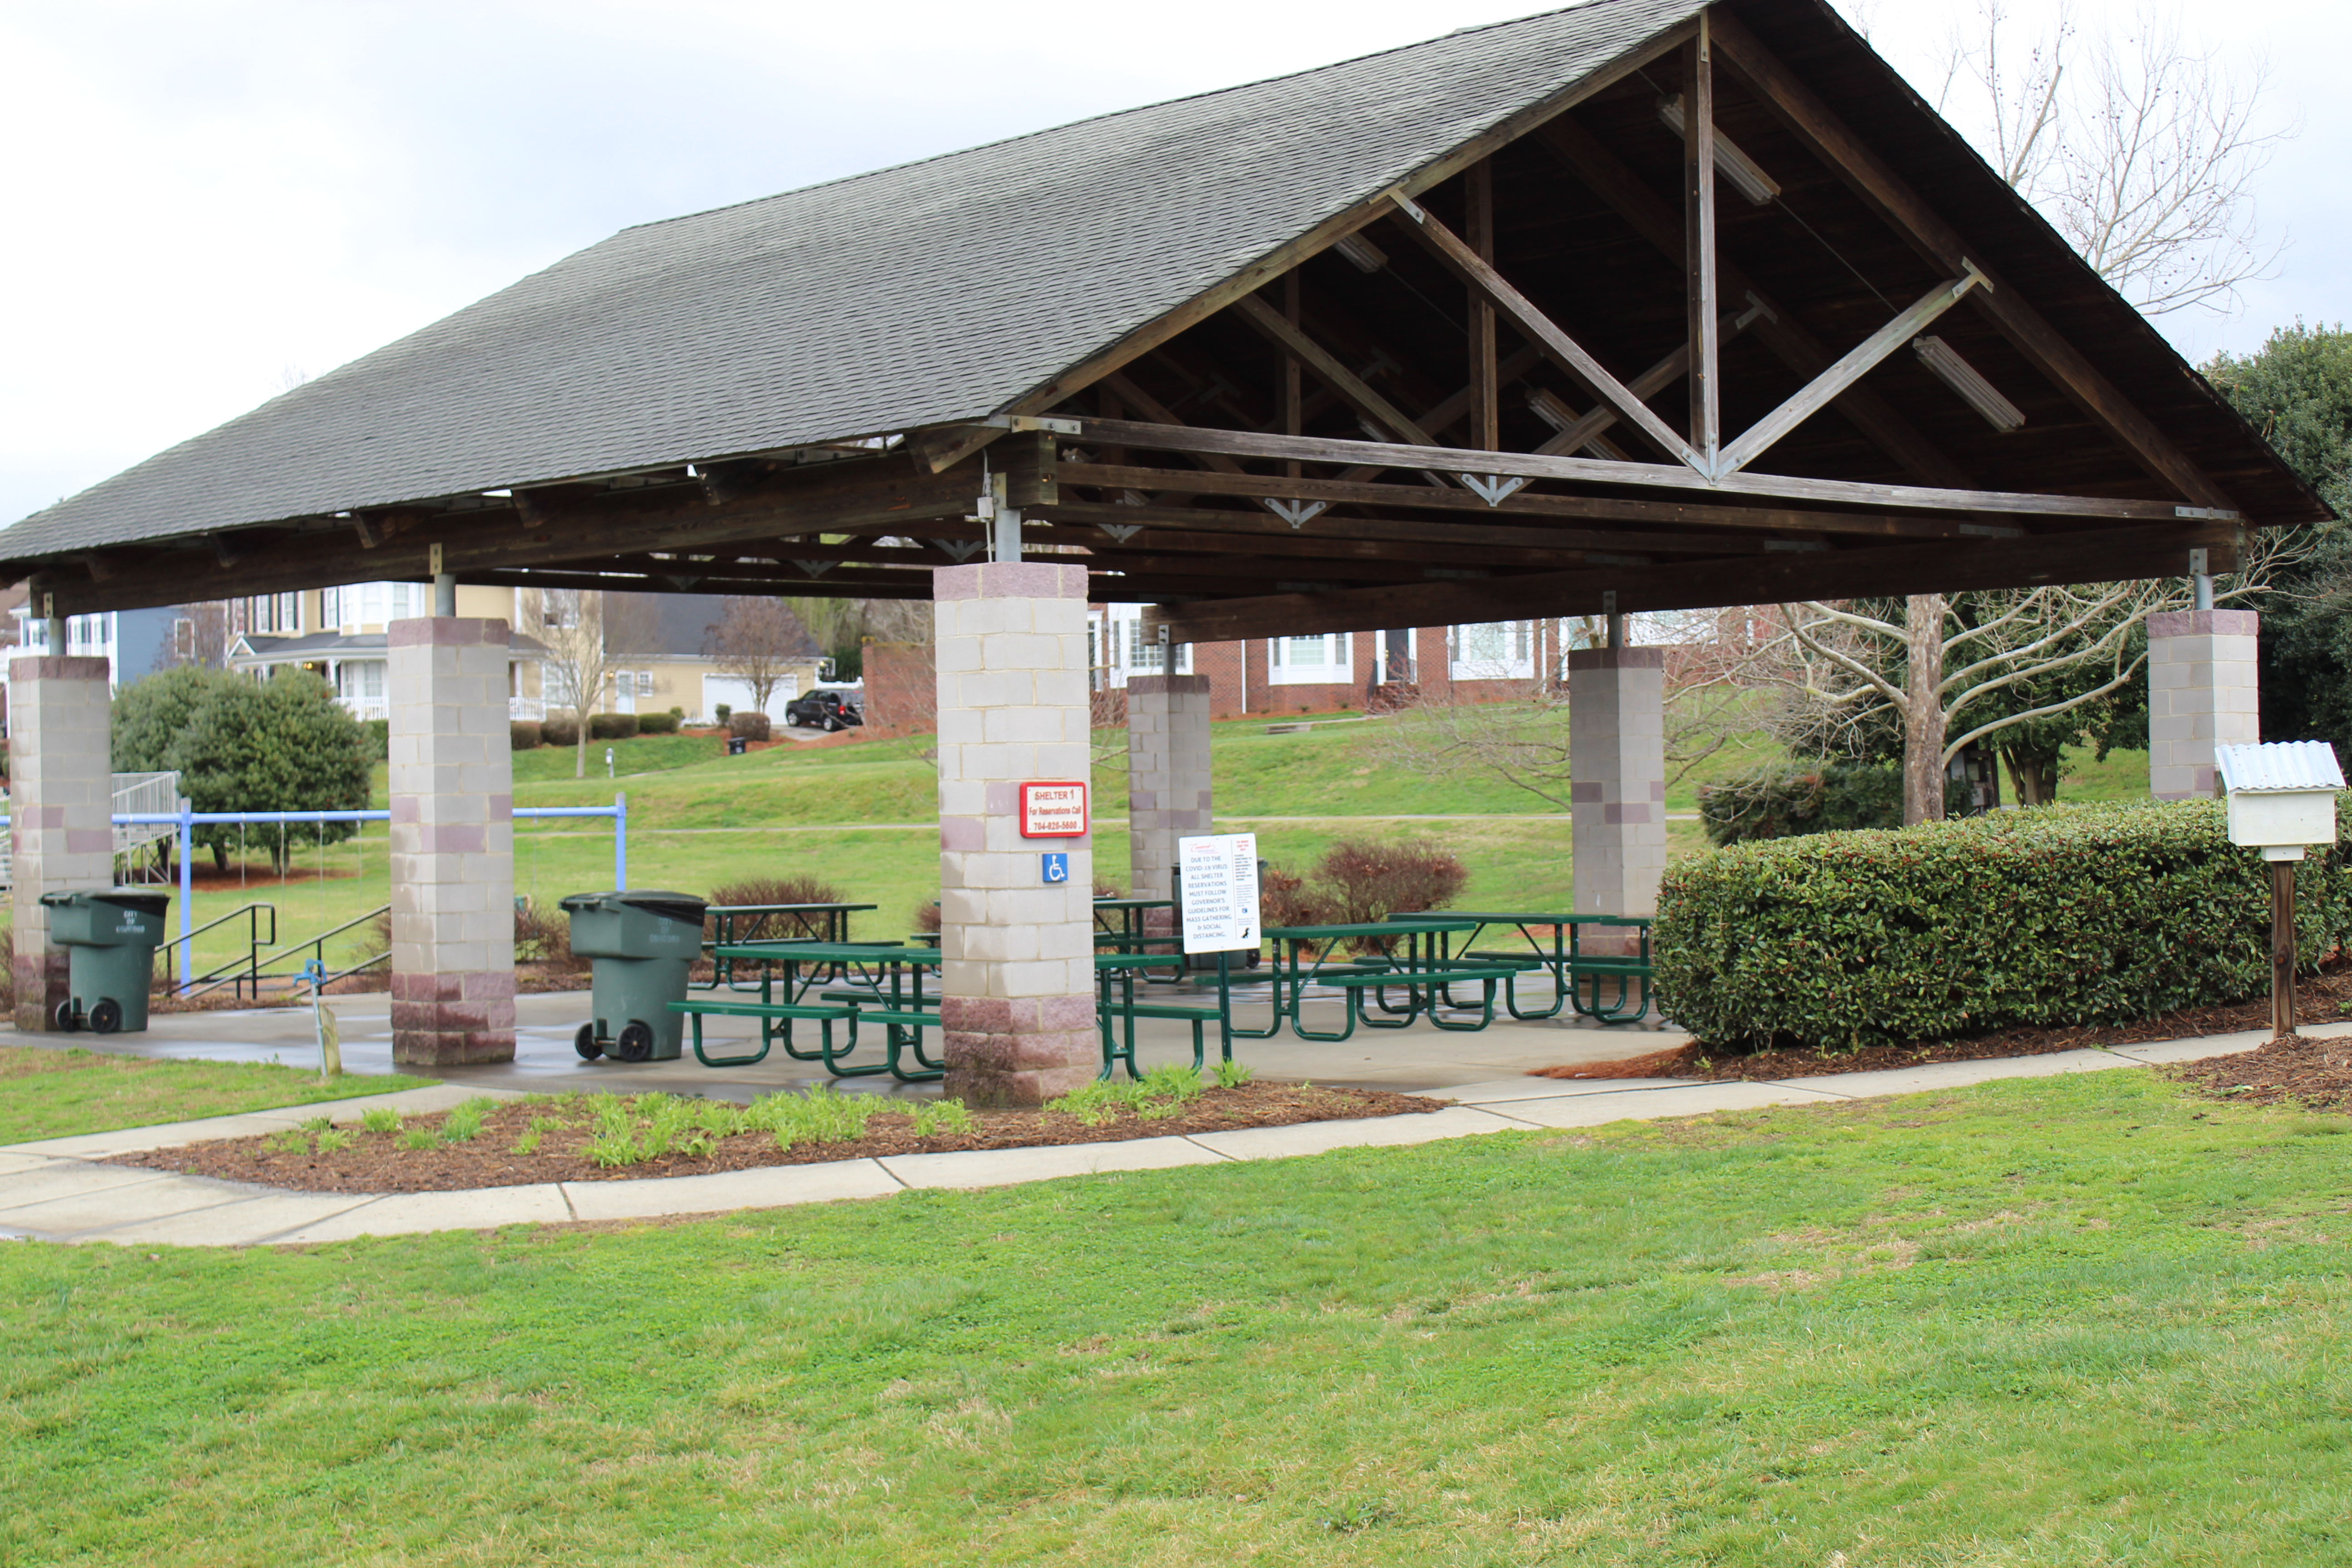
[861, 815]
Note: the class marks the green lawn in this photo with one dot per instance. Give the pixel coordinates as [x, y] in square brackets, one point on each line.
[62, 1093]
[700, 820]
[2067, 1321]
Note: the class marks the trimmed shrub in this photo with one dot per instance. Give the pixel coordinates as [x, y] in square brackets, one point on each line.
[720, 712]
[748, 726]
[612, 726]
[378, 739]
[559, 732]
[525, 736]
[791, 889]
[927, 916]
[657, 723]
[1284, 898]
[2057, 915]
[545, 937]
[1783, 803]
[1371, 881]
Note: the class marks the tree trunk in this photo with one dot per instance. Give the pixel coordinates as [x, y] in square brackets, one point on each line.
[580, 751]
[1923, 725]
[2035, 775]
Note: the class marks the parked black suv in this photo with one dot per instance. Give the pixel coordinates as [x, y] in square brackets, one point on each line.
[823, 710]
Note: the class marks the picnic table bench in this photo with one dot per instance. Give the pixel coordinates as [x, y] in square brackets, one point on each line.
[735, 925]
[1556, 942]
[893, 998]
[1115, 975]
[1424, 972]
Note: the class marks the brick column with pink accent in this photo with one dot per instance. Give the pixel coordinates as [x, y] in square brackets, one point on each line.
[1617, 773]
[61, 810]
[1017, 1005]
[1168, 784]
[452, 776]
[2204, 689]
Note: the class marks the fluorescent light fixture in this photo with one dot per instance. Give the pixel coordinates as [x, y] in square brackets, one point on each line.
[1732, 164]
[1367, 256]
[1961, 376]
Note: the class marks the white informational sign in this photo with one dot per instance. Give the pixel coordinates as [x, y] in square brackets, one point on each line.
[1220, 883]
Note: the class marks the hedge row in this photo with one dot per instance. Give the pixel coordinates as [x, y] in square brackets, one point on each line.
[2059, 915]
[1782, 803]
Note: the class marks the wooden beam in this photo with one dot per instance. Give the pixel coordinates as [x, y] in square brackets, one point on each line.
[1339, 225]
[1640, 476]
[1859, 362]
[1485, 389]
[1417, 541]
[808, 499]
[1353, 390]
[1578, 433]
[1875, 181]
[1698, 244]
[1609, 177]
[1537, 328]
[2099, 557]
[1532, 505]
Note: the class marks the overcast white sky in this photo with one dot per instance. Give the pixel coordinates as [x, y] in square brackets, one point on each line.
[202, 200]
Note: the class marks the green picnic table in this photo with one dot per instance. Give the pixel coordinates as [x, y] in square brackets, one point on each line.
[882, 984]
[736, 925]
[1558, 943]
[1115, 975]
[1421, 973]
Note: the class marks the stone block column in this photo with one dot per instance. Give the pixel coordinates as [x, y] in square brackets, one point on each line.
[61, 811]
[1168, 784]
[2204, 690]
[1017, 993]
[452, 779]
[1617, 771]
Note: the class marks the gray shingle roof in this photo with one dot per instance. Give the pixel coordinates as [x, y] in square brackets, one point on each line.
[930, 292]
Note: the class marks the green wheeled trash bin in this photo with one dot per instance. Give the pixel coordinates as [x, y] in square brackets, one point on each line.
[643, 945]
[110, 935]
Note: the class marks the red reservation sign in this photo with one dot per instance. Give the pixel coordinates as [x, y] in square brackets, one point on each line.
[1052, 809]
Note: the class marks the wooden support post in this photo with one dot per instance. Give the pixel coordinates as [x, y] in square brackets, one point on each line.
[2282, 1009]
[1486, 390]
[1294, 392]
[1698, 243]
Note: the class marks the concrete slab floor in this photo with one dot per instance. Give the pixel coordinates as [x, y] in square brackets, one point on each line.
[1420, 1057]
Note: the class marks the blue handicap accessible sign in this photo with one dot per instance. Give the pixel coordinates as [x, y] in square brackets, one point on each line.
[1058, 867]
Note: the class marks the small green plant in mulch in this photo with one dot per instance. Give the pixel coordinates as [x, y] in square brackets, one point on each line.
[529, 1143]
[318, 1124]
[942, 1116]
[463, 1124]
[1233, 1075]
[334, 1139]
[1162, 1092]
[420, 1138]
[822, 1115]
[293, 1140]
[379, 1118]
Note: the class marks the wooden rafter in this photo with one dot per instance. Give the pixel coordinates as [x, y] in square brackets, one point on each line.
[2098, 557]
[1852, 159]
[1352, 389]
[1699, 247]
[1644, 475]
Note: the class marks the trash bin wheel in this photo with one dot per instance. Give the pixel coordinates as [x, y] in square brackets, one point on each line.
[106, 1016]
[585, 1042]
[65, 1018]
[636, 1042]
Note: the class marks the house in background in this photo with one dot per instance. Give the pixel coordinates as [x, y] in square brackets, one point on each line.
[671, 668]
[338, 635]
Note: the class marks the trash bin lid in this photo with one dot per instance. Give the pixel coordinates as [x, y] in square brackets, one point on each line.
[145, 901]
[684, 907]
[574, 903]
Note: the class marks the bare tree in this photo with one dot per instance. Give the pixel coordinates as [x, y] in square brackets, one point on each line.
[200, 637]
[756, 640]
[2140, 148]
[589, 636]
[843, 626]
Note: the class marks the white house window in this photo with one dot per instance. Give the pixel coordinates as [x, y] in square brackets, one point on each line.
[1499, 651]
[1124, 648]
[1309, 661]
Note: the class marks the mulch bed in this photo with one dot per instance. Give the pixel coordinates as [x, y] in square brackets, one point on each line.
[2289, 1071]
[376, 1162]
[2323, 998]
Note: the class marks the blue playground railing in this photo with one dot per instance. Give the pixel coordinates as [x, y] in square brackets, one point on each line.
[187, 822]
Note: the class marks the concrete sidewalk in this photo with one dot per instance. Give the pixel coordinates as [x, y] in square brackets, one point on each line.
[53, 1191]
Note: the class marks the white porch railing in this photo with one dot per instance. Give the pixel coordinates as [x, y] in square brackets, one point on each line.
[526, 708]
